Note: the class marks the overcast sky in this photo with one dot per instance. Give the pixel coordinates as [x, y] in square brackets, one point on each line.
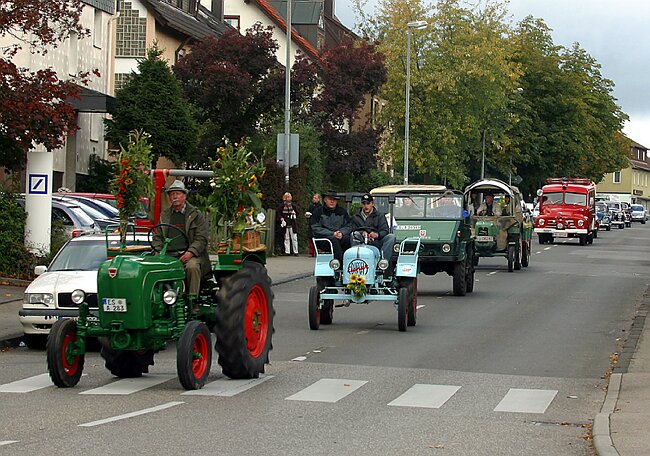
[614, 32]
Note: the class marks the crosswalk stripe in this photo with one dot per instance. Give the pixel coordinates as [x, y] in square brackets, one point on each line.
[8, 442]
[130, 385]
[227, 388]
[425, 396]
[526, 400]
[327, 390]
[132, 414]
[27, 385]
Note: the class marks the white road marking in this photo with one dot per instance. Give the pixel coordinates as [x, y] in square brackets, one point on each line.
[538, 252]
[27, 385]
[426, 396]
[526, 401]
[547, 248]
[365, 331]
[327, 390]
[493, 272]
[127, 386]
[132, 414]
[299, 358]
[8, 442]
[225, 387]
[420, 306]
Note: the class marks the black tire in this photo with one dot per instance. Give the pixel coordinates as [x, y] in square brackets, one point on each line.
[609, 228]
[402, 308]
[327, 312]
[525, 254]
[459, 278]
[314, 310]
[125, 363]
[643, 222]
[541, 239]
[194, 355]
[590, 238]
[64, 372]
[595, 233]
[475, 260]
[412, 309]
[469, 276]
[245, 322]
[511, 258]
[35, 341]
[583, 239]
[518, 256]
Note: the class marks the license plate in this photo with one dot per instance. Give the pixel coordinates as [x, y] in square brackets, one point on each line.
[561, 235]
[114, 304]
[484, 238]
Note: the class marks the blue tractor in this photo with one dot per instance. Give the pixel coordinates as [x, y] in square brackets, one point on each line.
[363, 277]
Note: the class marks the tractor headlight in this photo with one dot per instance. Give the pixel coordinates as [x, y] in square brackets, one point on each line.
[446, 248]
[541, 221]
[383, 264]
[581, 222]
[78, 296]
[39, 298]
[335, 264]
[396, 248]
[169, 297]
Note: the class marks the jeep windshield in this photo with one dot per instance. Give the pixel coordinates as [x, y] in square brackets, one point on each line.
[434, 206]
[576, 199]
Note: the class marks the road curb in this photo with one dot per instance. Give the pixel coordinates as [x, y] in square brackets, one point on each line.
[601, 431]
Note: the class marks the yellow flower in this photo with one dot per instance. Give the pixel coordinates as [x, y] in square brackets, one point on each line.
[128, 181]
[348, 286]
[259, 195]
[361, 280]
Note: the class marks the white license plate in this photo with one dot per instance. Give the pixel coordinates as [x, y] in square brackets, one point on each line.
[484, 238]
[561, 235]
[114, 304]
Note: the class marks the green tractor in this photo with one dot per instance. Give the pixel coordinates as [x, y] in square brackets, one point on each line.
[142, 306]
[507, 229]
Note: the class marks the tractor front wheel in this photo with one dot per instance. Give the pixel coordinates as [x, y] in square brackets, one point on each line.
[402, 308]
[194, 355]
[460, 278]
[65, 369]
[245, 322]
[314, 308]
[469, 274]
[327, 312]
[511, 258]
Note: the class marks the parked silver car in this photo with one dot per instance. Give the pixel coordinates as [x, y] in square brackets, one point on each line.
[639, 213]
[71, 216]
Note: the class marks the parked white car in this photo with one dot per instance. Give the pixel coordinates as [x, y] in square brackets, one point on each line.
[48, 298]
[639, 213]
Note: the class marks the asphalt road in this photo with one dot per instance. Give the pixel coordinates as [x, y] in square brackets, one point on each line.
[515, 368]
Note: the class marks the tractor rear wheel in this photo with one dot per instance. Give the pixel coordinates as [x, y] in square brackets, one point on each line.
[402, 308]
[518, 256]
[194, 355]
[245, 322]
[125, 363]
[460, 278]
[64, 368]
[314, 308]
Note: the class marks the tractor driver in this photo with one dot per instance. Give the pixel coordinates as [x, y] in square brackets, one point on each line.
[375, 225]
[190, 221]
[332, 222]
[488, 207]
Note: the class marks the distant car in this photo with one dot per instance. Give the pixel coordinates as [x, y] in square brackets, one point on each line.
[73, 218]
[617, 213]
[627, 212]
[604, 216]
[141, 217]
[107, 210]
[639, 213]
[98, 216]
[48, 297]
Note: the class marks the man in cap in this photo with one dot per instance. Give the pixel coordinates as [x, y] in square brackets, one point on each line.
[488, 207]
[332, 222]
[193, 251]
[374, 224]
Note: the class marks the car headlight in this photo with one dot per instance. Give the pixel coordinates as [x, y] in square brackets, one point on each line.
[335, 264]
[560, 226]
[39, 298]
[581, 222]
[446, 248]
[541, 222]
[383, 264]
[78, 296]
[169, 297]
[396, 248]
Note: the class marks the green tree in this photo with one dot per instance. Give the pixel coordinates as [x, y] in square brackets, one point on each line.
[152, 101]
[100, 172]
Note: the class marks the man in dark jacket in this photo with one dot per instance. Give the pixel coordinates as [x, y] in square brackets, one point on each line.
[374, 224]
[332, 222]
[193, 252]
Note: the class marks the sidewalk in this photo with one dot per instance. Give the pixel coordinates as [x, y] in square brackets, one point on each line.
[281, 270]
[623, 426]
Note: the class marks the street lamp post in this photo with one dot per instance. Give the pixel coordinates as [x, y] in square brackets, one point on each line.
[419, 25]
[287, 96]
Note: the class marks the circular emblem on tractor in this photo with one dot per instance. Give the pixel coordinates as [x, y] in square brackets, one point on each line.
[358, 267]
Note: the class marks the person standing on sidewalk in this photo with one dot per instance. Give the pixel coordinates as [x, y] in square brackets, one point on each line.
[287, 215]
[313, 207]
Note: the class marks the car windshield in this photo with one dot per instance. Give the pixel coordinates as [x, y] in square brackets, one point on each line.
[637, 207]
[83, 218]
[601, 207]
[577, 199]
[429, 206]
[80, 255]
[616, 206]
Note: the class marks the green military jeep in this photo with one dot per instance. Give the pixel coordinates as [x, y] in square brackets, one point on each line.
[438, 217]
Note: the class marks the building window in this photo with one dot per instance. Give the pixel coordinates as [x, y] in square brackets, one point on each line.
[617, 177]
[73, 54]
[130, 35]
[95, 126]
[233, 21]
[98, 29]
[121, 79]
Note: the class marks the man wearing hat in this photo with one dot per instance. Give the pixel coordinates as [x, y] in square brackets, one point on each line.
[332, 222]
[190, 221]
[488, 207]
[375, 225]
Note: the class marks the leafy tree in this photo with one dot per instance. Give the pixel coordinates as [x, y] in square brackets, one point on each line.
[152, 101]
[100, 172]
[33, 106]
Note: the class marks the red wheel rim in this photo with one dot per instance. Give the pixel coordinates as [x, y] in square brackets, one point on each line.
[200, 355]
[256, 321]
[70, 368]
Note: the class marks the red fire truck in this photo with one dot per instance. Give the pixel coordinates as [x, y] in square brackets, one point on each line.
[567, 209]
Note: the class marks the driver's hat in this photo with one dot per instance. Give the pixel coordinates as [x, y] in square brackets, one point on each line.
[177, 186]
[367, 198]
[331, 194]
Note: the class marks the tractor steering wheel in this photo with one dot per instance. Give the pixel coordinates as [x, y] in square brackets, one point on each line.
[157, 239]
[361, 230]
